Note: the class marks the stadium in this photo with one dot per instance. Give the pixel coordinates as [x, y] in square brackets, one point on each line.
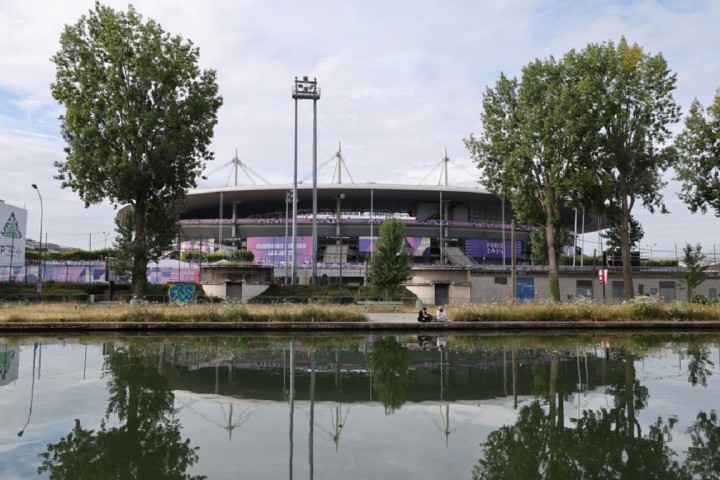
[446, 226]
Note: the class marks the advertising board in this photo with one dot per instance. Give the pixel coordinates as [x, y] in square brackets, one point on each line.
[13, 231]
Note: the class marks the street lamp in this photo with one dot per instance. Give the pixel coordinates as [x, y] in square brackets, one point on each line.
[651, 249]
[40, 275]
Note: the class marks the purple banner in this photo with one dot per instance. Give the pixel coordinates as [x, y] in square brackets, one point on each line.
[415, 246]
[366, 245]
[481, 248]
[418, 246]
[272, 250]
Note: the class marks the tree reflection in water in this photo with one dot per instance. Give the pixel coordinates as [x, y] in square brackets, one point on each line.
[389, 365]
[146, 443]
[603, 444]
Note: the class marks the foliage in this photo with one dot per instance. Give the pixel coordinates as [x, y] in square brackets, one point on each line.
[613, 241]
[73, 255]
[627, 106]
[698, 163]
[538, 241]
[327, 293]
[51, 288]
[138, 122]
[389, 263]
[530, 148]
[695, 271]
[159, 231]
[640, 308]
[240, 256]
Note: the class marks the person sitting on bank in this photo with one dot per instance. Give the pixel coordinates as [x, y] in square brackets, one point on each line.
[424, 316]
[442, 314]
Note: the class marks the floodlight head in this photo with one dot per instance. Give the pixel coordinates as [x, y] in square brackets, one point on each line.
[34, 186]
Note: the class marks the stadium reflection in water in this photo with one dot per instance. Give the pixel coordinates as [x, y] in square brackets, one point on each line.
[401, 407]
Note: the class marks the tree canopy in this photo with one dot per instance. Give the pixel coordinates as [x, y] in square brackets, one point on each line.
[390, 264]
[586, 131]
[698, 165]
[139, 117]
[530, 150]
[628, 95]
[695, 271]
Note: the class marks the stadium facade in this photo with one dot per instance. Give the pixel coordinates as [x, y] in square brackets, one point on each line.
[445, 226]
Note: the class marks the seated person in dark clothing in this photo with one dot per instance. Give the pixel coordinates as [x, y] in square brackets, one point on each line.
[424, 316]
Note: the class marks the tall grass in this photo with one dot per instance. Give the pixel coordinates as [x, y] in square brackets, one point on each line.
[641, 308]
[172, 313]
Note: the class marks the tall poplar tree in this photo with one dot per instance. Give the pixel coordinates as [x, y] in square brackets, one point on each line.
[529, 148]
[139, 119]
[627, 103]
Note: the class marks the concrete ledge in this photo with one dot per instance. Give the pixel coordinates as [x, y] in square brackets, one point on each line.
[38, 327]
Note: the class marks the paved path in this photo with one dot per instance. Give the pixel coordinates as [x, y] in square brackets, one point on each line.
[396, 317]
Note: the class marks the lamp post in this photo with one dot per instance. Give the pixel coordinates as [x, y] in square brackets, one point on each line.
[650, 247]
[40, 272]
[306, 89]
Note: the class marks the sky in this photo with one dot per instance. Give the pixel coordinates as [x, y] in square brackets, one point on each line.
[400, 82]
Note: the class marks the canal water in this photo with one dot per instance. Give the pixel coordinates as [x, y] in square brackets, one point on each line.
[636, 406]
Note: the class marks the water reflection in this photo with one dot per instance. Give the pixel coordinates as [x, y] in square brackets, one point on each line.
[485, 407]
[145, 443]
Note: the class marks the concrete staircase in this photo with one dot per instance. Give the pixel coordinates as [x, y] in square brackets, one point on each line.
[333, 254]
[456, 256]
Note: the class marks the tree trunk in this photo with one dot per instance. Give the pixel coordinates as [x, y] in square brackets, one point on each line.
[553, 274]
[624, 232]
[140, 255]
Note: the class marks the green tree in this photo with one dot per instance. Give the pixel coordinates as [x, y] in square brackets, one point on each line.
[389, 263]
[138, 122]
[612, 237]
[695, 272]
[698, 165]
[628, 94]
[529, 151]
[539, 245]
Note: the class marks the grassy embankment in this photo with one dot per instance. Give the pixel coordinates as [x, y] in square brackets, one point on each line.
[63, 312]
[640, 309]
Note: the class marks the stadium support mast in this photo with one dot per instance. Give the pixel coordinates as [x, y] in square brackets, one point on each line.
[443, 164]
[237, 165]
